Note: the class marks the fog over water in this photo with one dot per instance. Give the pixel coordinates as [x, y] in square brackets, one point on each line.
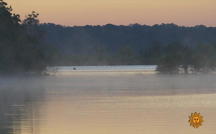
[106, 103]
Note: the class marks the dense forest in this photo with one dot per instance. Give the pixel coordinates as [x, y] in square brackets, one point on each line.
[21, 48]
[28, 46]
[167, 45]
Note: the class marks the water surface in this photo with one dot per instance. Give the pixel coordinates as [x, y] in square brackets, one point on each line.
[110, 103]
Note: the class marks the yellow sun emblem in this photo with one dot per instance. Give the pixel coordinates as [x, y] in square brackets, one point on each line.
[195, 120]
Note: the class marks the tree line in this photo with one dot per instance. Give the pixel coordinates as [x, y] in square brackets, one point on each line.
[169, 46]
[178, 58]
[28, 46]
[21, 48]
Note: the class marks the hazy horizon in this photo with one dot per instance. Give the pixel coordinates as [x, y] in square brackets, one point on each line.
[131, 24]
[97, 12]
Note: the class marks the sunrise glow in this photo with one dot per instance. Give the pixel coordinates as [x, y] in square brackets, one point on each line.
[120, 12]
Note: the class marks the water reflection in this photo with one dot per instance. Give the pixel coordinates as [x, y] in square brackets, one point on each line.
[20, 98]
[106, 104]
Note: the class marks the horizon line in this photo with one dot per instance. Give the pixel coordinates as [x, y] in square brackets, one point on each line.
[131, 24]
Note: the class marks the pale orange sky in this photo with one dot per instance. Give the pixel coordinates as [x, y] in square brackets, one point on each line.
[120, 12]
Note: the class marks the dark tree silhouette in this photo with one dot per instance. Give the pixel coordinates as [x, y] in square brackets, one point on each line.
[20, 47]
[31, 19]
[28, 46]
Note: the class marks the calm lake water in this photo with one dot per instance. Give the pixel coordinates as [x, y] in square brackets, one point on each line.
[107, 103]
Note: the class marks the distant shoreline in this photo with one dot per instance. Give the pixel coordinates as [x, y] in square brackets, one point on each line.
[102, 69]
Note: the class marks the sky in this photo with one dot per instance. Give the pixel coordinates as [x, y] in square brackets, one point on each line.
[119, 12]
